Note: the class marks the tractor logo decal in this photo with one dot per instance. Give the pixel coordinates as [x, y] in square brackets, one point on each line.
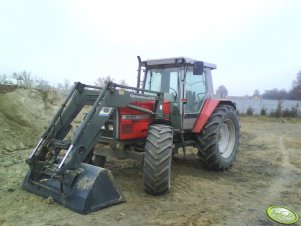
[282, 215]
[132, 117]
[142, 97]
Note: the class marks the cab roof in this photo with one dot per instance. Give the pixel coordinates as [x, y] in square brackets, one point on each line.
[174, 61]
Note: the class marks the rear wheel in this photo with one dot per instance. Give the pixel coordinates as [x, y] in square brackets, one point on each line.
[219, 139]
[157, 159]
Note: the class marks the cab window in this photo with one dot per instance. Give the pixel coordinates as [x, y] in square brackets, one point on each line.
[163, 80]
[195, 90]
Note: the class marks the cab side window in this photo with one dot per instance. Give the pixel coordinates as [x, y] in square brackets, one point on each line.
[195, 89]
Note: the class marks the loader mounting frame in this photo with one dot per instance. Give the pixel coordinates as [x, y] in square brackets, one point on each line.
[57, 165]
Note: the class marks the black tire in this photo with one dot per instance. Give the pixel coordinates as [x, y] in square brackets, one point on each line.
[99, 160]
[219, 139]
[157, 159]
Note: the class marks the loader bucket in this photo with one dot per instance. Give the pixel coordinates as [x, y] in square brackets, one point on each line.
[91, 190]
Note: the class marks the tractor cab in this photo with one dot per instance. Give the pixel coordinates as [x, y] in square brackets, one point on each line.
[186, 84]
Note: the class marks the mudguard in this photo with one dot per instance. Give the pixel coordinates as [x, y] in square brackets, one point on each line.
[207, 110]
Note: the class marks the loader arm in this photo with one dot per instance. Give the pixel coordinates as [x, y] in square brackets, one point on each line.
[89, 131]
[87, 134]
[45, 161]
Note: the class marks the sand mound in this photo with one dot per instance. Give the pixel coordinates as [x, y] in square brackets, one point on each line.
[24, 113]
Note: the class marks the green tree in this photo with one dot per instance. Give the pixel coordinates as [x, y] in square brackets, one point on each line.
[295, 93]
[4, 80]
[23, 79]
[221, 92]
[102, 81]
[276, 94]
[256, 93]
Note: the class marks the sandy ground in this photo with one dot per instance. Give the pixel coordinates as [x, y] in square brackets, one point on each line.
[267, 172]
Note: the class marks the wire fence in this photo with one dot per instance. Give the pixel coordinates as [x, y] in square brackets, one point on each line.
[243, 104]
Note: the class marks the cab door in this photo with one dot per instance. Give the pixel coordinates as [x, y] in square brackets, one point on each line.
[166, 80]
[195, 93]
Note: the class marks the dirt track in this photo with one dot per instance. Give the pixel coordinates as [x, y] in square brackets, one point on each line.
[267, 172]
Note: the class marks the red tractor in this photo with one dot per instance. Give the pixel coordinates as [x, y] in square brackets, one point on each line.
[172, 106]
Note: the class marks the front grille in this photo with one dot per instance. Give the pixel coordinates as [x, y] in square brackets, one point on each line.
[127, 128]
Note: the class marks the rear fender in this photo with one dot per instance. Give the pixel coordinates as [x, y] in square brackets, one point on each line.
[207, 110]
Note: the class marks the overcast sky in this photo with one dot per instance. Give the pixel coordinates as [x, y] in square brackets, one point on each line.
[256, 44]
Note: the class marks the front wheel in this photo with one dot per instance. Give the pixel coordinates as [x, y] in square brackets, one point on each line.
[218, 141]
[157, 159]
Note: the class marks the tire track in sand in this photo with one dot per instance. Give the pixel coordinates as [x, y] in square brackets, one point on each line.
[286, 177]
[285, 181]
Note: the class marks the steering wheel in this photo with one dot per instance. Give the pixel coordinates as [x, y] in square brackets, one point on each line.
[174, 93]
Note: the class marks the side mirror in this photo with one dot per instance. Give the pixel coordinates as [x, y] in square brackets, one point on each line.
[198, 67]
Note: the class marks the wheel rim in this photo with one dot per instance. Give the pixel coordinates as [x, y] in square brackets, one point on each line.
[226, 138]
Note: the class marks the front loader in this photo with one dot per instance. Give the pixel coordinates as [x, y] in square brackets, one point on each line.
[172, 106]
